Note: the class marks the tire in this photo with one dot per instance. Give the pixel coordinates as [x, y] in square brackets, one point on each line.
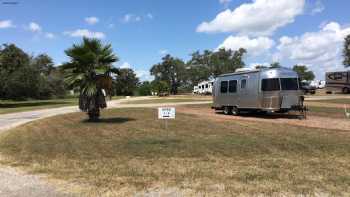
[227, 110]
[346, 90]
[235, 111]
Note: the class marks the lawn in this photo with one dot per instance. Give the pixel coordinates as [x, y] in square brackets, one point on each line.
[129, 151]
[7, 106]
[19, 106]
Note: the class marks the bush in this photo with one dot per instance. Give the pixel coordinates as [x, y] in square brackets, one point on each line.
[160, 87]
[144, 89]
[23, 83]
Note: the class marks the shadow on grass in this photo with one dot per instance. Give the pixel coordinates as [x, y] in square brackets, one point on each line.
[30, 104]
[267, 115]
[116, 120]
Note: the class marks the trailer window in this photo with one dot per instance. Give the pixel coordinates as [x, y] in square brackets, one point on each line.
[206, 85]
[289, 83]
[243, 83]
[232, 86]
[270, 84]
[223, 87]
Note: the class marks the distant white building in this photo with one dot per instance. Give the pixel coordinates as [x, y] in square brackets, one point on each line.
[204, 87]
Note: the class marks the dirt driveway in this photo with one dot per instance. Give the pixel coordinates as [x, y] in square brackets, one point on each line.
[311, 121]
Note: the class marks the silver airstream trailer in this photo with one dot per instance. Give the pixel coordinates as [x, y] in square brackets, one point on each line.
[258, 90]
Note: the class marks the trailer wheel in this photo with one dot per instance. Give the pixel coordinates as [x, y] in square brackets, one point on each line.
[235, 111]
[346, 90]
[227, 110]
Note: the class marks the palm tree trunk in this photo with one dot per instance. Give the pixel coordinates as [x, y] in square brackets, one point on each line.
[94, 114]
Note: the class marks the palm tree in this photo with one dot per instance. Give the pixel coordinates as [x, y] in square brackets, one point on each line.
[90, 69]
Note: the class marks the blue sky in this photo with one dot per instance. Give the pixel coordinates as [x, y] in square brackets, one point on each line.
[292, 32]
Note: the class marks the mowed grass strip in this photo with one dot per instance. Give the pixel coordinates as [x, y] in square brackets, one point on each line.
[130, 151]
[8, 106]
[20, 106]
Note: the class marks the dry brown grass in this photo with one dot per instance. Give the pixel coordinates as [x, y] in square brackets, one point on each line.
[129, 153]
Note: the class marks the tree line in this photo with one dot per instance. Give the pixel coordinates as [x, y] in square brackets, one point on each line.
[25, 76]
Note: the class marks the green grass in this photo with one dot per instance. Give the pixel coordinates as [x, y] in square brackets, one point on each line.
[130, 151]
[20, 106]
[7, 106]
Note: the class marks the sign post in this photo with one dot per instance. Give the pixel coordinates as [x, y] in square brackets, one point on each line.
[166, 113]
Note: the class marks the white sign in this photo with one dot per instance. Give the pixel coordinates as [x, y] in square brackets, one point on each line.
[166, 113]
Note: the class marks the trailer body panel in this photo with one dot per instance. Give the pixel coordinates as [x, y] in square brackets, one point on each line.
[259, 90]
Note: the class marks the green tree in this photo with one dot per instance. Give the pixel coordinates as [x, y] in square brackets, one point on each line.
[160, 87]
[170, 70]
[275, 65]
[58, 87]
[304, 73]
[199, 67]
[126, 82]
[211, 64]
[261, 67]
[24, 77]
[12, 58]
[44, 63]
[90, 69]
[24, 83]
[144, 88]
[346, 52]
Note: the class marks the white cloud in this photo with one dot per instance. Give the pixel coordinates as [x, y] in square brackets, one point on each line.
[125, 65]
[50, 35]
[260, 17]
[137, 18]
[38, 31]
[150, 16]
[254, 46]
[163, 51]
[6, 24]
[321, 50]
[35, 27]
[318, 7]
[85, 33]
[127, 18]
[144, 75]
[91, 20]
[225, 2]
[131, 18]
